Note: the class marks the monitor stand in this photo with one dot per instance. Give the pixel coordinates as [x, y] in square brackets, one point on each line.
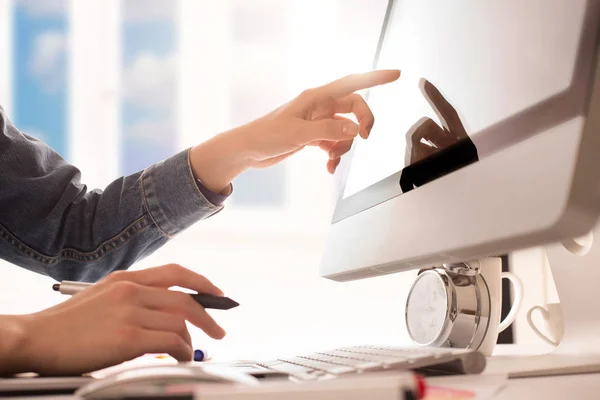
[576, 271]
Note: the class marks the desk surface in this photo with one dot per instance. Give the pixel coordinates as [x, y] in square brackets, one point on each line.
[494, 383]
[497, 387]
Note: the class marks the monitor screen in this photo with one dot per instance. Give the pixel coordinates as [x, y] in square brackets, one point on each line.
[476, 77]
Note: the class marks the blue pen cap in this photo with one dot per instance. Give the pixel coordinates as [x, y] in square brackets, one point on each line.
[200, 355]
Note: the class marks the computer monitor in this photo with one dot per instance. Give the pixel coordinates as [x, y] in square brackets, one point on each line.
[487, 143]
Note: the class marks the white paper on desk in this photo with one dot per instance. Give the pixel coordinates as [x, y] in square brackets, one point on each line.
[143, 361]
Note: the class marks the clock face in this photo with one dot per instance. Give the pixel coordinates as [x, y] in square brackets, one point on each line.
[426, 308]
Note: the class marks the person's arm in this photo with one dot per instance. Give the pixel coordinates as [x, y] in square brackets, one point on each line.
[50, 223]
[132, 312]
[12, 335]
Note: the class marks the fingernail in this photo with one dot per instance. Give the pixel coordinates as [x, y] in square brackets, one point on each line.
[350, 129]
[369, 129]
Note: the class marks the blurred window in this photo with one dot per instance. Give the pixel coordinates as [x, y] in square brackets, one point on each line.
[40, 60]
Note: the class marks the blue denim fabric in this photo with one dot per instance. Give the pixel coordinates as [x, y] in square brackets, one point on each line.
[51, 224]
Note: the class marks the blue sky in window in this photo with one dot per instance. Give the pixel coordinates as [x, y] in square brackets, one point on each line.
[149, 129]
[40, 68]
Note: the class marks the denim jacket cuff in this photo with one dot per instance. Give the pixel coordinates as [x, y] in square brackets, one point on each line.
[172, 196]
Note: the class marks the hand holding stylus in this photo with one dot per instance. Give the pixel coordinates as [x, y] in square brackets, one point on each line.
[123, 316]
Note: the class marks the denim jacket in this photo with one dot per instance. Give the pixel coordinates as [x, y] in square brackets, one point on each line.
[51, 224]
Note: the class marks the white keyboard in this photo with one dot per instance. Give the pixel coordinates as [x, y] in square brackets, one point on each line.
[361, 359]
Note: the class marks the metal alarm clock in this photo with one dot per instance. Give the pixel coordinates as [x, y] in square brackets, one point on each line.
[449, 306]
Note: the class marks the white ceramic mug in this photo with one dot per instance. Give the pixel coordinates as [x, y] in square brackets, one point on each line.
[553, 323]
[491, 272]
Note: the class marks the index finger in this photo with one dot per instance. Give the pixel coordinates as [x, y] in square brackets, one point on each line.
[182, 304]
[170, 275]
[352, 83]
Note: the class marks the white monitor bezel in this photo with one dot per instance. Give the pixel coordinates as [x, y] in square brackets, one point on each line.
[380, 231]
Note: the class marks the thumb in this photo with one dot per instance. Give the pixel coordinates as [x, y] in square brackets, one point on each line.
[328, 129]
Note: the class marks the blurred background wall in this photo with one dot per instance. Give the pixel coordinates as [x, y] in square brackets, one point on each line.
[116, 85]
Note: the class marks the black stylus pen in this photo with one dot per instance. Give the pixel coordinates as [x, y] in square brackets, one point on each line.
[205, 300]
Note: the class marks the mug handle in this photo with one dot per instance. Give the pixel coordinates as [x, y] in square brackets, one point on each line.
[518, 300]
[546, 316]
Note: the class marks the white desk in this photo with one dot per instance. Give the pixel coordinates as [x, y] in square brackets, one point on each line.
[574, 387]
[497, 387]
[495, 384]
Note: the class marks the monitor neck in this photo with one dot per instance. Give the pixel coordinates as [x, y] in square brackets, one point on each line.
[576, 271]
[577, 279]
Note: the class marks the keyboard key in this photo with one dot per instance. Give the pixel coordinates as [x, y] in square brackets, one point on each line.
[321, 366]
[288, 368]
[432, 350]
[385, 353]
[412, 352]
[358, 364]
[372, 358]
[266, 364]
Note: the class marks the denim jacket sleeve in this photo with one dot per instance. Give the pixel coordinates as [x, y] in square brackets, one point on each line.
[51, 224]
